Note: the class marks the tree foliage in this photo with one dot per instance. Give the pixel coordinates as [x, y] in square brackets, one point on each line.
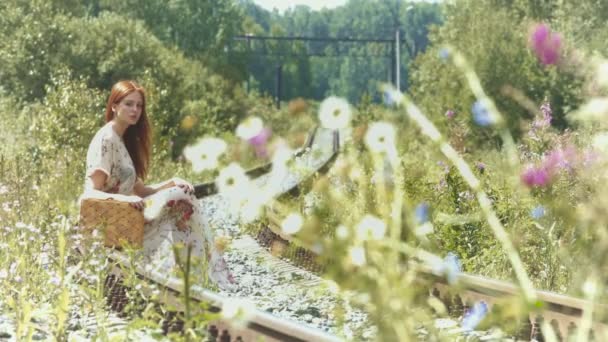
[493, 35]
[347, 69]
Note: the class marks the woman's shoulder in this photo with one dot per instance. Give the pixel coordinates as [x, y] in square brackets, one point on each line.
[105, 133]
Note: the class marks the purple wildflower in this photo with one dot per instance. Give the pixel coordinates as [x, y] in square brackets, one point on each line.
[474, 316]
[538, 212]
[545, 120]
[545, 44]
[481, 167]
[259, 142]
[535, 177]
[452, 267]
[422, 212]
[450, 114]
[560, 159]
[481, 114]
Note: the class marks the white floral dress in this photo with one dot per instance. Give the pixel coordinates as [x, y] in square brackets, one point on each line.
[108, 153]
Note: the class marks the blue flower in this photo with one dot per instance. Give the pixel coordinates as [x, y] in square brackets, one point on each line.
[452, 267]
[422, 212]
[444, 54]
[481, 114]
[538, 212]
[474, 316]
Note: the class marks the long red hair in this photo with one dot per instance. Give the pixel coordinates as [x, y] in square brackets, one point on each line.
[137, 137]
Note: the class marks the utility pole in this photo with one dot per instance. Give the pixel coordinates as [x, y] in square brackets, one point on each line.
[248, 71]
[279, 85]
[397, 64]
[397, 47]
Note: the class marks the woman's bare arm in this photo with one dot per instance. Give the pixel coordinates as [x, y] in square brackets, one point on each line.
[98, 179]
[142, 190]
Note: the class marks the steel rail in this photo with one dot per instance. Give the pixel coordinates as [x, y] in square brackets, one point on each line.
[259, 323]
[564, 312]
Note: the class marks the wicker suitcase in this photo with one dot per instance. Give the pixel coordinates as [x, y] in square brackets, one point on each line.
[119, 222]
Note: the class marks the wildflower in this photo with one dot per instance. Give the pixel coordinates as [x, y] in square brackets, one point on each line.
[251, 207]
[481, 167]
[297, 106]
[545, 109]
[371, 227]
[537, 212]
[292, 223]
[188, 122]
[422, 212]
[334, 113]
[450, 114]
[380, 137]
[392, 96]
[602, 74]
[600, 142]
[342, 232]
[357, 255]
[450, 267]
[535, 177]
[481, 114]
[546, 45]
[280, 165]
[560, 159]
[474, 316]
[232, 180]
[444, 54]
[259, 142]
[222, 242]
[55, 281]
[424, 229]
[205, 153]
[237, 309]
[250, 128]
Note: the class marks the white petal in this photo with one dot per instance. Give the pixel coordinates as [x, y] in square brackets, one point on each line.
[292, 223]
[250, 128]
[335, 113]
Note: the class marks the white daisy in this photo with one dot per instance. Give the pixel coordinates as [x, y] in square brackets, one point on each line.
[602, 74]
[335, 113]
[233, 182]
[237, 309]
[205, 153]
[292, 223]
[380, 137]
[371, 227]
[250, 128]
[600, 142]
[251, 208]
[280, 164]
[357, 255]
[342, 232]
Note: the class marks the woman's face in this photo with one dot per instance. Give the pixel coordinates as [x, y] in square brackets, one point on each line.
[128, 110]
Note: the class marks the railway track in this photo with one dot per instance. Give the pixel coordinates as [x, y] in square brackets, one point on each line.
[563, 312]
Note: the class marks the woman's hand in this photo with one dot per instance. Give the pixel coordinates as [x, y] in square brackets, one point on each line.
[188, 188]
[137, 203]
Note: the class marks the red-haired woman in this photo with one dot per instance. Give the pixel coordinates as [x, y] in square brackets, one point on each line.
[117, 163]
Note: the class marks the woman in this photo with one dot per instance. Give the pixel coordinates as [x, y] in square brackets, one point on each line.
[117, 163]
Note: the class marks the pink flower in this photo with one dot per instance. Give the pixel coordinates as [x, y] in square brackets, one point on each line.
[535, 177]
[259, 142]
[546, 45]
[560, 159]
[450, 114]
